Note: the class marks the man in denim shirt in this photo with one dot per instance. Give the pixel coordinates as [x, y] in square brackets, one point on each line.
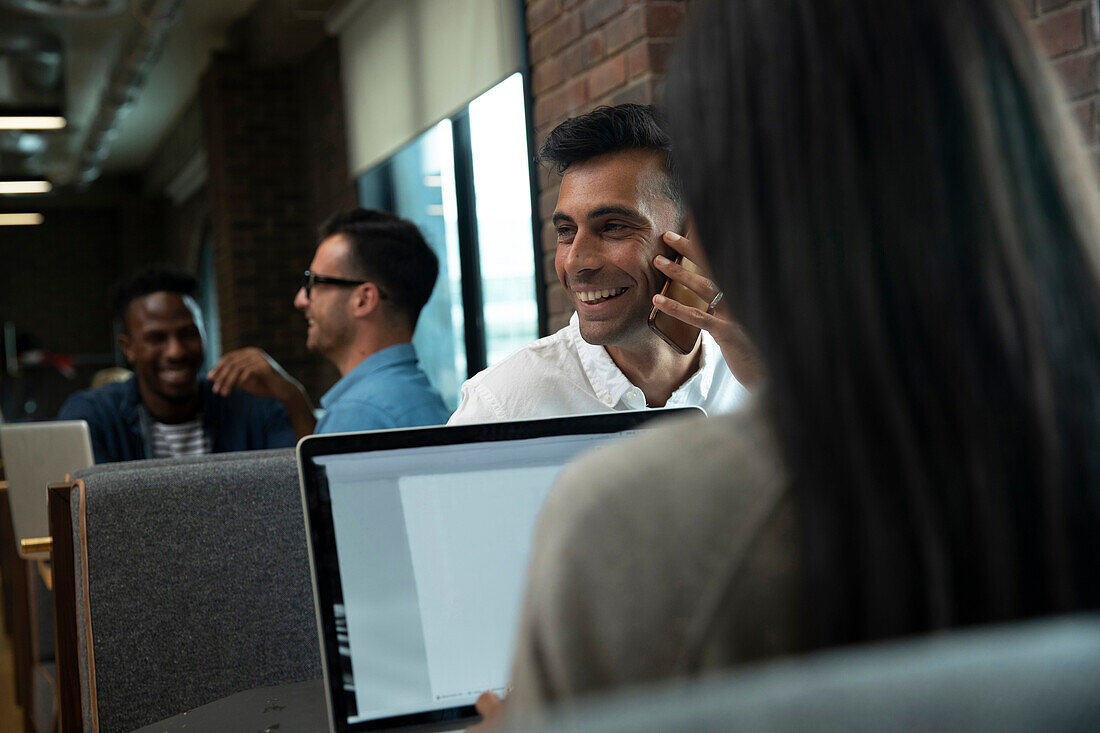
[362, 295]
[369, 279]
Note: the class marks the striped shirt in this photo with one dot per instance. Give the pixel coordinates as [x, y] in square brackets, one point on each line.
[180, 439]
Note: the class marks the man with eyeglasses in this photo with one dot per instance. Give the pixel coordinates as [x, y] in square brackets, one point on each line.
[361, 296]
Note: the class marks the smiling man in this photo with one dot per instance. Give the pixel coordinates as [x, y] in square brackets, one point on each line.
[370, 277]
[619, 220]
[164, 410]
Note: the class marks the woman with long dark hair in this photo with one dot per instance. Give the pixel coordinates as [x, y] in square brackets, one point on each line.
[906, 225]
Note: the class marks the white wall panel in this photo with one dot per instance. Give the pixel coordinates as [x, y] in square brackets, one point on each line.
[409, 63]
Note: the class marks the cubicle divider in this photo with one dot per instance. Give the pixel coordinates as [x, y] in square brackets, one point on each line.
[7, 551]
[66, 654]
[15, 594]
[41, 709]
[23, 619]
[178, 583]
[1038, 675]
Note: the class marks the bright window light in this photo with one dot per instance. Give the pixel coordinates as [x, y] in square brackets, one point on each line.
[25, 187]
[31, 123]
[15, 220]
[502, 181]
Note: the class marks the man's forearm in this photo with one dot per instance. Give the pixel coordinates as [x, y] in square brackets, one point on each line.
[743, 360]
[298, 409]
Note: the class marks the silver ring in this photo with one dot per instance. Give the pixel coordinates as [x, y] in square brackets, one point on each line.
[716, 301]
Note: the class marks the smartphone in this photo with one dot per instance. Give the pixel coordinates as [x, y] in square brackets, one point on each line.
[673, 331]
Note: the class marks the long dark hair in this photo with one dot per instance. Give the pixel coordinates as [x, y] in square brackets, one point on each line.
[901, 218]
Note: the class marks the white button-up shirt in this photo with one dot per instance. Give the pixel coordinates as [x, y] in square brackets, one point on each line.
[563, 374]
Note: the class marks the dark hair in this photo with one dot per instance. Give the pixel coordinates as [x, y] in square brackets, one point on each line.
[153, 279]
[889, 195]
[612, 130]
[390, 251]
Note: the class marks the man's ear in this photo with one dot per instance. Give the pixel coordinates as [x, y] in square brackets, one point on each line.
[366, 300]
[127, 346]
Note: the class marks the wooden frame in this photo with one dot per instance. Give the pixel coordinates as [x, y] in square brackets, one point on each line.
[8, 553]
[15, 573]
[66, 643]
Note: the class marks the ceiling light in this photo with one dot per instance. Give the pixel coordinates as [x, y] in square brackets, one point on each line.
[12, 122]
[25, 187]
[15, 220]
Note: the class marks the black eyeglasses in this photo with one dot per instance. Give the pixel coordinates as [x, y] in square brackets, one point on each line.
[310, 279]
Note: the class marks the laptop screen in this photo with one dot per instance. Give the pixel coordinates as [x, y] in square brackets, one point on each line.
[36, 455]
[420, 554]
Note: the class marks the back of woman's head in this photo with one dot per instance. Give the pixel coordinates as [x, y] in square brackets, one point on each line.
[901, 218]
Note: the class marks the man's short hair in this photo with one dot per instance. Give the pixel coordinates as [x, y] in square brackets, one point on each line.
[391, 252]
[154, 279]
[611, 130]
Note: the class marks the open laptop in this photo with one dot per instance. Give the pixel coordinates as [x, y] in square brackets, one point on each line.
[35, 455]
[419, 541]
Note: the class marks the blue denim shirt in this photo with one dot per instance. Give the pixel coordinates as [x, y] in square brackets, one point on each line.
[386, 390]
[120, 425]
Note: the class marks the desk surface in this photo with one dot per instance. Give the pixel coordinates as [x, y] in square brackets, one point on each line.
[296, 707]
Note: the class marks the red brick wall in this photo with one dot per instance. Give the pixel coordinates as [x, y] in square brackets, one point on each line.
[328, 185]
[321, 98]
[1069, 33]
[585, 53]
[277, 168]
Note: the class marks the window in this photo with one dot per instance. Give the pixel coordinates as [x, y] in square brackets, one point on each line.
[418, 184]
[498, 141]
[208, 301]
[466, 184]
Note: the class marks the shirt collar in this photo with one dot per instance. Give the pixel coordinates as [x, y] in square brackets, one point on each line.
[712, 354]
[376, 362]
[612, 387]
[607, 380]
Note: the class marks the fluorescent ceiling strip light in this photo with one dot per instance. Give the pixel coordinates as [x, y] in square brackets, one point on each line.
[31, 123]
[25, 187]
[15, 220]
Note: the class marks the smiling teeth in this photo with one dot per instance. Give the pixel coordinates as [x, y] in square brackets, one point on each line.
[596, 296]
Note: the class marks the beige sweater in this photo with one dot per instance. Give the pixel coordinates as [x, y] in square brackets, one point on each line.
[664, 555]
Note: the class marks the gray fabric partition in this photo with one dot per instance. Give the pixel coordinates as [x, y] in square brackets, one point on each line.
[182, 461]
[1034, 676]
[199, 583]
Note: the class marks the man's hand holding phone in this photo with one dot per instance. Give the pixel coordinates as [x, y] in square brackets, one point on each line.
[737, 350]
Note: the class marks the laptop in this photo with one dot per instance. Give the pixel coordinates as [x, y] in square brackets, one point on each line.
[418, 542]
[37, 454]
